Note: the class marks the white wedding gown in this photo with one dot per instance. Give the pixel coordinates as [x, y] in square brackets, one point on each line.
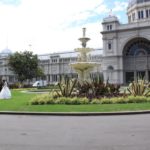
[5, 92]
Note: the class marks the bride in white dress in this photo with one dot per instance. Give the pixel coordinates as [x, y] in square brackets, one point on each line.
[5, 92]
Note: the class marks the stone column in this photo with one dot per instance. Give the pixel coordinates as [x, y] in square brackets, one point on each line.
[135, 75]
[146, 74]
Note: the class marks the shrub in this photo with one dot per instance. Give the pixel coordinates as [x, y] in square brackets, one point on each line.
[106, 101]
[83, 88]
[34, 102]
[61, 100]
[95, 101]
[122, 100]
[84, 100]
[15, 85]
[96, 88]
[41, 102]
[42, 99]
[137, 99]
[50, 101]
[47, 99]
[76, 101]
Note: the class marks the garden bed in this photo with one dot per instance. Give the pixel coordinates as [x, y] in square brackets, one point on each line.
[20, 102]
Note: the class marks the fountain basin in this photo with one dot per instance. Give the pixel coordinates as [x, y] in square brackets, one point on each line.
[84, 39]
[83, 50]
[82, 66]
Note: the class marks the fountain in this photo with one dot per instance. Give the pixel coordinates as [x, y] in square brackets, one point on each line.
[82, 66]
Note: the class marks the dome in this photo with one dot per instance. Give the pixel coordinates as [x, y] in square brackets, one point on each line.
[5, 52]
[132, 2]
[110, 18]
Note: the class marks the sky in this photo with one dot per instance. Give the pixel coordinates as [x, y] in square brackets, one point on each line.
[49, 26]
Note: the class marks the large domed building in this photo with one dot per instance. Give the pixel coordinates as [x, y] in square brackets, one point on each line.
[127, 46]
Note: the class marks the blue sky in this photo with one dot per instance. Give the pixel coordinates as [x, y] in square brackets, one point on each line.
[10, 2]
[54, 25]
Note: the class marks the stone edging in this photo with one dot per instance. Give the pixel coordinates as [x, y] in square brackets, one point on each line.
[75, 113]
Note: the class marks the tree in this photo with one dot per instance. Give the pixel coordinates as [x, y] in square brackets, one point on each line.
[24, 65]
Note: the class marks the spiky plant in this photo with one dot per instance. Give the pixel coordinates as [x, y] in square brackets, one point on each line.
[66, 87]
[138, 88]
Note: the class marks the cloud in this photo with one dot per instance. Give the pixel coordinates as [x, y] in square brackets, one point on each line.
[120, 6]
[51, 25]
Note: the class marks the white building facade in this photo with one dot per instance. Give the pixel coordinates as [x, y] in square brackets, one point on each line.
[58, 64]
[53, 65]
[127, 46]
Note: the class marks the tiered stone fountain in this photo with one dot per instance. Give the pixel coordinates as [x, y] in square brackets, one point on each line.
[82, 66]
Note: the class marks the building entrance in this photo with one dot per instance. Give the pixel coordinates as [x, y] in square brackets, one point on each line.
[141, 74]
[136, 60]
[129, 77]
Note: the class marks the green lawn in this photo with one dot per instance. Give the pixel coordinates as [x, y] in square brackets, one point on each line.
[19, 102]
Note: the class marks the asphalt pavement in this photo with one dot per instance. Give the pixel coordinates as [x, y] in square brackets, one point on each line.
[33, 132]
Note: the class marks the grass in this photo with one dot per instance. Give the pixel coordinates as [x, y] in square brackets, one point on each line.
[19, 102]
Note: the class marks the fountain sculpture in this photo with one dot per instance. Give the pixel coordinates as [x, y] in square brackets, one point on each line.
[83, 66]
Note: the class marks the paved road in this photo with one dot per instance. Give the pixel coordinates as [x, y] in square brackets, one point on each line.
[75, 133]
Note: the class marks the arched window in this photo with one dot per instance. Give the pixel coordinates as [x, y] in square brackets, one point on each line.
[136, 59]
[109, 45]
[136, 47]
[110, 68]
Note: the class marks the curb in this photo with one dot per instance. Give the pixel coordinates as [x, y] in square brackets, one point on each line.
[75, 113]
